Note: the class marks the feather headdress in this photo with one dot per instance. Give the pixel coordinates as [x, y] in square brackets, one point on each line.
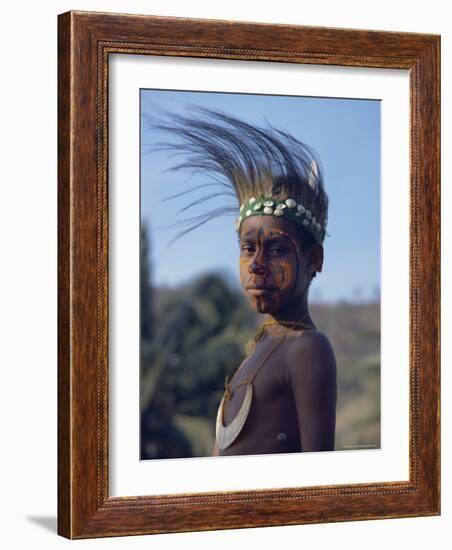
[266, 170]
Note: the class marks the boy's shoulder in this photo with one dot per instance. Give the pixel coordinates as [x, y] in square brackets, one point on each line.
[311, 351]
[309, 341]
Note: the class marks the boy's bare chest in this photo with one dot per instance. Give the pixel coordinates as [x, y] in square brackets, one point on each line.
[265, 364]
[265, 370]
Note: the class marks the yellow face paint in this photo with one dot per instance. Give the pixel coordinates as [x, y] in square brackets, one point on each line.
[269, 264]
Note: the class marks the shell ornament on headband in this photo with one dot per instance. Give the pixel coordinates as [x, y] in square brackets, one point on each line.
[288, 209]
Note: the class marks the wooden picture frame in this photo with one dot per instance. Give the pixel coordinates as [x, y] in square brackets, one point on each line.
[85, 42]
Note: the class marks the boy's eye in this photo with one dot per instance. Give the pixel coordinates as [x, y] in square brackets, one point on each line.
[247, 248]
[277, 250]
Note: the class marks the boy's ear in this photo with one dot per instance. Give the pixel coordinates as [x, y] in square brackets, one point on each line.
[317, 258]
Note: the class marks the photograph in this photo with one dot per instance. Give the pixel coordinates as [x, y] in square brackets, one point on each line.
[259, 274]
[248, 274]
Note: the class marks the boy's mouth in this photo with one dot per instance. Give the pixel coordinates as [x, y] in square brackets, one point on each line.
[257, 288]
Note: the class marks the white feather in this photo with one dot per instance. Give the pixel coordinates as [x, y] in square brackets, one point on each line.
[313, 177]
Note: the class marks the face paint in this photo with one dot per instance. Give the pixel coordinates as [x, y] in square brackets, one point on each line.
[271, 264]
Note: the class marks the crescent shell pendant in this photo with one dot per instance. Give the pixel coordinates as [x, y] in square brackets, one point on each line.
[226, 435]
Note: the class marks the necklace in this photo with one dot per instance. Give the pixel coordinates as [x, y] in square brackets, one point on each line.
[226, 435]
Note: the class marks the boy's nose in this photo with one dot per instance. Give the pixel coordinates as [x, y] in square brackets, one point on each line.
[257, 267]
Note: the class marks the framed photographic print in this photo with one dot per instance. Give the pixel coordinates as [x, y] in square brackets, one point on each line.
[248, 275]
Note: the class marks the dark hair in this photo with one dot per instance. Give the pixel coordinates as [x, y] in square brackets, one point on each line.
[306, 238]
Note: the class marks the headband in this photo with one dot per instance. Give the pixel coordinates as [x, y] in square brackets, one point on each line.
[288, 209]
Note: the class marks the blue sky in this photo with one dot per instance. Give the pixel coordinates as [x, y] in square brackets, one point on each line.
[346, 135]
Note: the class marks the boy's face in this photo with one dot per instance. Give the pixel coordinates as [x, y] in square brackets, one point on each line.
[274, 270]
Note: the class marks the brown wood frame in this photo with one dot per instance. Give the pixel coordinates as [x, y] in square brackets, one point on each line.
[85, 41]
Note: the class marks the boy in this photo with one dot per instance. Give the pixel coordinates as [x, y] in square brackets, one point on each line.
[282, 398]
[290, 377]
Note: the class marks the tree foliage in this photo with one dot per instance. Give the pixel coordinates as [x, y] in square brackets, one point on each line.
[199, 339]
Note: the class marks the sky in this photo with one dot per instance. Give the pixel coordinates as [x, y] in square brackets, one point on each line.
[345, 133]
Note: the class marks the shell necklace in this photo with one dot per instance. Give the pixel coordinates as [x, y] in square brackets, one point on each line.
[226, 435]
